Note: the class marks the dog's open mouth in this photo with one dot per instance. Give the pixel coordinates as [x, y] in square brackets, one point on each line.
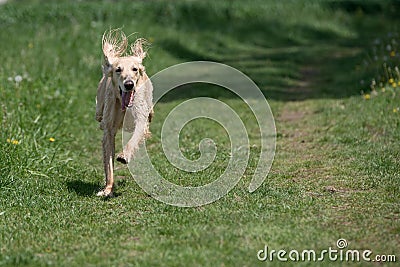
[127, 99]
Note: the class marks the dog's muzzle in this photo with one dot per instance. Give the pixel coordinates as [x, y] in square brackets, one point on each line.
[127, 94]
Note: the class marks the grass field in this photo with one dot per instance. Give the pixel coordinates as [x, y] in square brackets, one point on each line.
[336, 172]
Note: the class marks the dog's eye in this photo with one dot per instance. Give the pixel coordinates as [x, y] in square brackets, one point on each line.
[134, 69]
[118, 70]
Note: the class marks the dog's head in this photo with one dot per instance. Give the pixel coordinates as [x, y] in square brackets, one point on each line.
[125, 69]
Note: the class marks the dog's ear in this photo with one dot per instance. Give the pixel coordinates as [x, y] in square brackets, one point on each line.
[142, 70]
[138, 48]
[114, 44]
[106, 67]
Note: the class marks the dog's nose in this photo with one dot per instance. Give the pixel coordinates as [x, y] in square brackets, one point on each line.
[129, 85]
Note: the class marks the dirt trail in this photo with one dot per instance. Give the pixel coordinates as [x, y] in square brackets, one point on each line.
[296, 131]
[295, 112]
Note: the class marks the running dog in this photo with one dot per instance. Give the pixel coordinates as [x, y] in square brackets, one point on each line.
[124, 87]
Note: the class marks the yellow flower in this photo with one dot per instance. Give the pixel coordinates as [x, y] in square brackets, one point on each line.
[398, 83]
[367, 96]
[391, 80]
[394, 85]
[12, 141]
[52, 139]
[395, 110]
[393, 53]
[383, 89]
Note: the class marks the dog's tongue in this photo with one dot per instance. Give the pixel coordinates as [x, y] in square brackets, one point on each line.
[127, 99]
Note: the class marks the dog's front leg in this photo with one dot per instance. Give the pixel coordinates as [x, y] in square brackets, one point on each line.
[100, 98]
[139, 133]
[108, 160]
[133, 143]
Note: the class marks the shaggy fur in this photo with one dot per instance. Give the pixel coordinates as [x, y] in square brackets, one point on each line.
[124, 87]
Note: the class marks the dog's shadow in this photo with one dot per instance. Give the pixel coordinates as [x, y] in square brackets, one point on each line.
[81, 188]
[89, 189]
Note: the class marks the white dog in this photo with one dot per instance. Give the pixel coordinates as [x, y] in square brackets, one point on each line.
[124, 87]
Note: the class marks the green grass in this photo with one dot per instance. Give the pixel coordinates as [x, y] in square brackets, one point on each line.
[336, 170]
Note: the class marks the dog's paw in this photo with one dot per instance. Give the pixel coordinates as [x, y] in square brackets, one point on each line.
[121, 158]
[105, 193]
